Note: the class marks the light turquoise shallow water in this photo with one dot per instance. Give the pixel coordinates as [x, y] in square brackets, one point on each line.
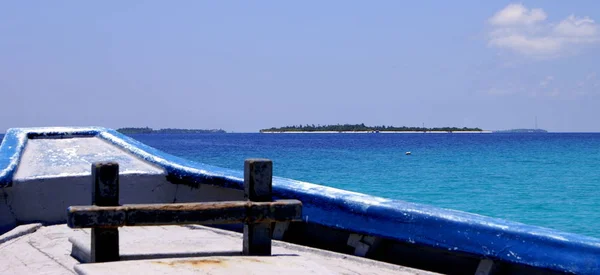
[551, 180]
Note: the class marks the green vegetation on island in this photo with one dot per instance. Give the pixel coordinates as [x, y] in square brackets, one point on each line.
[362, 128]
[539, 131]
[147, 130]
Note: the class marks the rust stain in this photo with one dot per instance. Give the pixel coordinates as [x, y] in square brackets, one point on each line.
[206, 262]
[194, 263]
[253, 260]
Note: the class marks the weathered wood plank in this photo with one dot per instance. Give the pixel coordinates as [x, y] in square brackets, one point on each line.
[105, 192]
[184, 213]
[258, 176]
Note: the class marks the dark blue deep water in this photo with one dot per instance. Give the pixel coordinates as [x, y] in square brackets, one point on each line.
[550, 180]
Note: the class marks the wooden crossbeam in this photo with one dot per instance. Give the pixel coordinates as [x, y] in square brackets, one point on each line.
[184, 213]
[257, 213]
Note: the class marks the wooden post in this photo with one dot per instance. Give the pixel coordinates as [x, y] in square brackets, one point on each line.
[258, 174]
[105, 192]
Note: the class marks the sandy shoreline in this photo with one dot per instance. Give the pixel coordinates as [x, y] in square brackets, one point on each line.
[380, 132]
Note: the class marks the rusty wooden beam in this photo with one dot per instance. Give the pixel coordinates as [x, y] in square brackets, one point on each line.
[105, 192]
[184, 213]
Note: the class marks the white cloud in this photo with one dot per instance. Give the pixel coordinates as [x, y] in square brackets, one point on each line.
[527, 45]
[526, 31]
[577, 27]
[516, 14]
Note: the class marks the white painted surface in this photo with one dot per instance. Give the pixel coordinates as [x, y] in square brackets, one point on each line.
[19, 231]
[176, 250]
[55, 173]
[202, 250]
[47, 200]
[47, 158]
[45, 251]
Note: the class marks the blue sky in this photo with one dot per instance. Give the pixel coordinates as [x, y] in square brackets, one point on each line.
[242, 67]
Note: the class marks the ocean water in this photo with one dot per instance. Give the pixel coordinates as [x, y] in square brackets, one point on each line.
[550, 180]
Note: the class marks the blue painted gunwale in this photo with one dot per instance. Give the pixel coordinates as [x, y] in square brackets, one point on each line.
[419, 224]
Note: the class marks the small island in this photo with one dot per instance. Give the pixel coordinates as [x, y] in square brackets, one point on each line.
[362, 128]
[147, 130]
[536, 131]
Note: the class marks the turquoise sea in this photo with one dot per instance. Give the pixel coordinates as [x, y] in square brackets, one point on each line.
[550, 180]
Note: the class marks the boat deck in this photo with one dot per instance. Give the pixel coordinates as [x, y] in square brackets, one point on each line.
[43, 171]
[47, 158]
[36, 249]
